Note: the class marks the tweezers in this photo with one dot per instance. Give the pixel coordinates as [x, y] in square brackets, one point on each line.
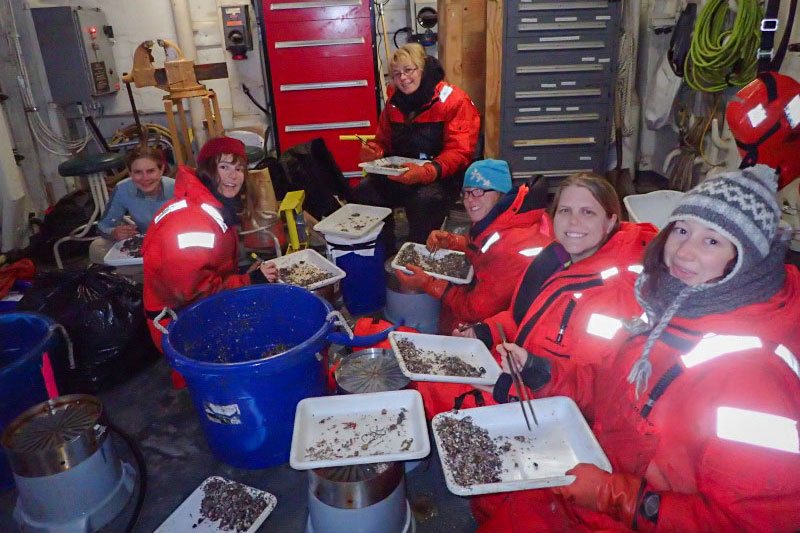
[517, 378]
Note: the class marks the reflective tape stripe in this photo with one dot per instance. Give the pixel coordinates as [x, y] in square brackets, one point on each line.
[577, 295]
[636, 268]
[195, 239]
[759, 429]
[216, 215]
[603, 326]
[712, 346]
[788, 357]
[490, 241]
[607, 273]
[531, 252]
[644, 318]
[171, 209]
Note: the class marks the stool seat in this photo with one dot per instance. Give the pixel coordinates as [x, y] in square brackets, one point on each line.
[254, 154]
[84, 165]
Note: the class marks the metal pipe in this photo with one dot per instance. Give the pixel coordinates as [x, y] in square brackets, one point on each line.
[185, 33]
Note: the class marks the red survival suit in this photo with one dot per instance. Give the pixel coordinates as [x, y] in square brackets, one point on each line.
[718, 442]
[189, 252]
[500, 247]
[549, 298]
[446, 130]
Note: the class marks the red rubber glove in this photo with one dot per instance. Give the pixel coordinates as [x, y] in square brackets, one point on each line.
[449, 241]
[421, 281]
[416, 174]
[370, 151]
[616, 495]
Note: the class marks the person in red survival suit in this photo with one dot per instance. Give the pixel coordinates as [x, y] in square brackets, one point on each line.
[593, 253]
[424, 118]
[509, 228]
[190, 250]
[698, 413]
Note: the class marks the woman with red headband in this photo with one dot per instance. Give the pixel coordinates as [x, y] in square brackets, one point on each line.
[191, 247]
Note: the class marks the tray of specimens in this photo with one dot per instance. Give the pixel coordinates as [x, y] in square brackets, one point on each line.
[352, 220]
[490, 449]
[357, 429]
[307, 269]
[390, 166]
[444, 264]
[424, 357]
[126, 252]
[220, 504]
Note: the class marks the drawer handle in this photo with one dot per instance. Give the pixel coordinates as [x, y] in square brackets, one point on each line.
[528, 5]
[319, 42]
[528, 47]
[548, 26]
[316, 3]
[547, 173]
[528, 143]
[353, 174]
[560, 69]
[558, 93]
[328, 126]
[323, 85]
[575, 117]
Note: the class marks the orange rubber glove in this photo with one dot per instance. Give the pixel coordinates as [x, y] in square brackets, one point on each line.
[416, 174]
[616, 495]
[443, 239]
[370, 151]
[421, 281]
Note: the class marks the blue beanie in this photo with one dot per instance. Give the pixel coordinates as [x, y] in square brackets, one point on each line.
[489, 174]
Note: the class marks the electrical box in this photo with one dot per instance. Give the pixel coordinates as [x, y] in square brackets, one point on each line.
[236, 29]
[424, 20]
[76, 49]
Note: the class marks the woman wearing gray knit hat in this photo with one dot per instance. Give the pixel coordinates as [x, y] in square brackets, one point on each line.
[698, 412]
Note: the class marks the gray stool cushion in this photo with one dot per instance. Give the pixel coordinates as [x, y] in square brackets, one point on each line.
[91, 164]
[254, 154]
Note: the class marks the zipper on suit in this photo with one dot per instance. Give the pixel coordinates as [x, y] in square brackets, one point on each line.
[565, 320]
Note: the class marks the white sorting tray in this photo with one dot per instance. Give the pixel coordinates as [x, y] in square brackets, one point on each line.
[314, 258]
[331, 418]
[379, 166]
[185, 517]
[438, 254]
[471, 351]
[654, 207]
[115, 257]
[560, 441]
[342, 222]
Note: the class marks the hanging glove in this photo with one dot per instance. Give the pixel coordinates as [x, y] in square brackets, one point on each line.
[444, 239]
[421, 281]
[535, 374]
[617, 495]
[416, 174]
[370, 151]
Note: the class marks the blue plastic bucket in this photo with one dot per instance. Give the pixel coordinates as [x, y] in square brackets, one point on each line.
[24, 337]
[246, 403]
[364, 287]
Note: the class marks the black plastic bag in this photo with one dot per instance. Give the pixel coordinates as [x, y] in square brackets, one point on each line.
[70, 212]
[103, 315]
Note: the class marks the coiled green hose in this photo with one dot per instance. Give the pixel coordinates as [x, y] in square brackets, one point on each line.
[721, 57]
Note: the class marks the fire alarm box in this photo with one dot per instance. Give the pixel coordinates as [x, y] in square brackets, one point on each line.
[236, 29]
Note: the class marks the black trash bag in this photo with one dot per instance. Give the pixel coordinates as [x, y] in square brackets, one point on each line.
[104, 317]
[70, 212]
[310, 167]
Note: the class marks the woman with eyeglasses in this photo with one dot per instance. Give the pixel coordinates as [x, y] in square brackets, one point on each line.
[424, 118]
[509, 228]
[593, 252]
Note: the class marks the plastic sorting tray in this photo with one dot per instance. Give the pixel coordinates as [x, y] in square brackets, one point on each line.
[313, 258]
[438, 254]
[471, 351]
[187, 516]
[560, 441]
[352, 220]
[357, 429]
[381, 166]
[116, 257]
[654, 207]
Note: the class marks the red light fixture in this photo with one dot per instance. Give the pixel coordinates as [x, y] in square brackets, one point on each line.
[92, 30]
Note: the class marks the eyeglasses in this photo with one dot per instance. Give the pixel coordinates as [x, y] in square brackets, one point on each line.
[475, 193]
[405, 72]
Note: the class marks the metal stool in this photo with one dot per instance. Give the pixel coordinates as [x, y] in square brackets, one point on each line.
[93, 168]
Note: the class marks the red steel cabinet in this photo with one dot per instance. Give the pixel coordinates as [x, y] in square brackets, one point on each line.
[321, 61]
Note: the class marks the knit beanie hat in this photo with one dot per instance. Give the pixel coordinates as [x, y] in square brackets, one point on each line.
[741, 206]
[221, 145]
[489, 174]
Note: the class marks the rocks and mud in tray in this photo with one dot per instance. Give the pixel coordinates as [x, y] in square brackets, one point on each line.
[454, 265]
[303, 274]
[431, 362]
[470, 454]
[132, 246]
[232, 504]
